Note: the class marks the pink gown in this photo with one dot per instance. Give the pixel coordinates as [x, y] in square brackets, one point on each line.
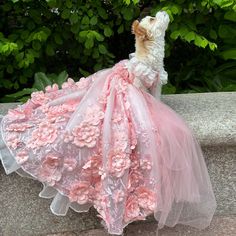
[106, 143]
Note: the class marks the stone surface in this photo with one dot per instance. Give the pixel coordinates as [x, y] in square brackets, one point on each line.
[220, 226]
[211, 116]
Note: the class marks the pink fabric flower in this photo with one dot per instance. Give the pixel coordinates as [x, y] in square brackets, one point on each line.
[146, 198]
[135, 178]
[51, 161]
[70, 83]
[50, 171]
[117, 117]
[12, 140]
[16, 114]
[79, 192]
[39, 98]
[68, 137]
[123, 72]
[22, 156]
[50, 176]
[132, 210]
[70, 164]
[18, 127]
[120, 140]
[46, 133]
[118, 163]
[82, 83]
[92, 166]
[52, 88]
[94, 115]
[85, 135]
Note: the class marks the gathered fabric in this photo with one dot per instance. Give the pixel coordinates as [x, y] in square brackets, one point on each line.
[106, 143]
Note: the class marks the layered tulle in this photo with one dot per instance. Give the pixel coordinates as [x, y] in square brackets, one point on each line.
[103, 142]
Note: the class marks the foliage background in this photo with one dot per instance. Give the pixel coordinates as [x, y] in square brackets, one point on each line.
[42, 41]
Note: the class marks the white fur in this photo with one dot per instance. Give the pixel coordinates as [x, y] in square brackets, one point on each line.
[151, 66]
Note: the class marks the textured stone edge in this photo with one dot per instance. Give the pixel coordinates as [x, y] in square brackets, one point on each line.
[220, 226]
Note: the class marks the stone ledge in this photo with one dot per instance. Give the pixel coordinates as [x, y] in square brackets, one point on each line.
[220, 226]
[210, 115]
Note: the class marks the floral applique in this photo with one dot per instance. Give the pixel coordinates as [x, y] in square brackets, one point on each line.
[51, 169]
[13, 140]
[87, 132]
[21, 157]
[83, 83]
[52, 88]
[120, 140]
[46, 133]
[132, 209]
[118, 162]
[16, 114]
[39, 98]
[80, 191]
[92, 166]
[146, 199]
[18, 127]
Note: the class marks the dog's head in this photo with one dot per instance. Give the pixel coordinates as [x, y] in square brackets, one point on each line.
[151, 27]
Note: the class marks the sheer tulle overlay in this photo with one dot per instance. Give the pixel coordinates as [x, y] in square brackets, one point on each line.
[105, 143]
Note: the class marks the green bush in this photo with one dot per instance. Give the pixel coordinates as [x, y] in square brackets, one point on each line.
[81, 37]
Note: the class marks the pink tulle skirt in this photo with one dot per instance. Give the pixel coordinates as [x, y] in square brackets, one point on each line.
[102, 142]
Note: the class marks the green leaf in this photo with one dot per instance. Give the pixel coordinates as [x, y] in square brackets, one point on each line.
[102, 12]
[74, 18]
[189, 36]
[230, 15]
[61, 78]
[94, 20]
[120, 29]
[168, 89]
[49, 50]
[200, 41]
[89, 43]
[102, 49]
[10, 69]
[65, 14]
[175, 34]
[212, 46]
[75, 28]
[213, 34]
[83, 72]
[85, 20]
[98, 36]
[36, 45]
[41, 81]
[69, 4]
[229, 54]
[107, 31]
[23, 92]
[58, 39]
[127, 13]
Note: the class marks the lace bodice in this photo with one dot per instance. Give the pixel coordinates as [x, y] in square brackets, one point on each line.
[146, 78]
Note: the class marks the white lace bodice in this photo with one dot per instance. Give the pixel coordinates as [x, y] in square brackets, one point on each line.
[146, 78]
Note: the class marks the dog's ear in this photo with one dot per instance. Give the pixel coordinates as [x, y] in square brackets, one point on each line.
[139, 31]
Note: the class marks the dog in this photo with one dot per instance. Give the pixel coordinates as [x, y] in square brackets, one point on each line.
[149, 50]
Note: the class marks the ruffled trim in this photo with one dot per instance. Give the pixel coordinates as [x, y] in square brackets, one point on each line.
[60, 203]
